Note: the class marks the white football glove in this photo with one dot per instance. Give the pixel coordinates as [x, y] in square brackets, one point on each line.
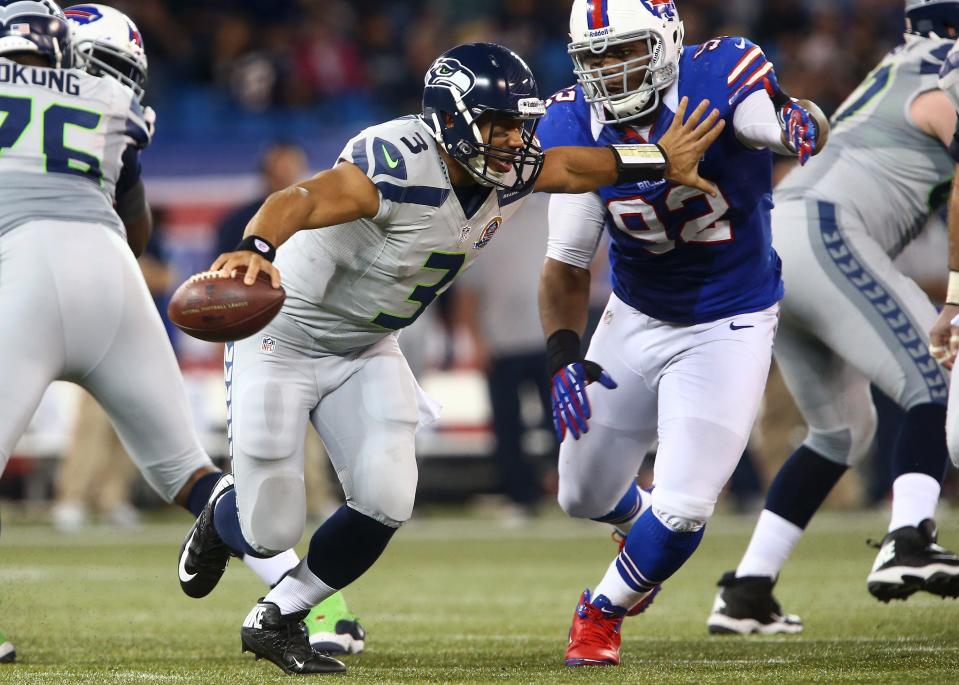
[150, 118]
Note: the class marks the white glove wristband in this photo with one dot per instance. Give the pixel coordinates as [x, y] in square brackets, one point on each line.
[952, 290]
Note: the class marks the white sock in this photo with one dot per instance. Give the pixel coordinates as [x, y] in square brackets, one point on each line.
[270, 570]
[771, 544]
[299, 591]
[914, 498]
[615, 588]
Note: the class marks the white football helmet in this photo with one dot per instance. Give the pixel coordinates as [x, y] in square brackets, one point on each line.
[596, 25]
[108, 42]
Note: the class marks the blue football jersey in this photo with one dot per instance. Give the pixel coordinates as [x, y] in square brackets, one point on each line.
[676, 253]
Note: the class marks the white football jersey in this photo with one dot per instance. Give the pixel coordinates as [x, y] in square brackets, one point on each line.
[352, 284]
[878, 164]
[63, 134]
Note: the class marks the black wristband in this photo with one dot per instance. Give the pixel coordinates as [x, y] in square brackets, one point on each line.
[562, 348]
[635, 163]
[262, 246]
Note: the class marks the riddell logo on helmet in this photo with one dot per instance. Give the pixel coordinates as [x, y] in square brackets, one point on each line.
[599, 33]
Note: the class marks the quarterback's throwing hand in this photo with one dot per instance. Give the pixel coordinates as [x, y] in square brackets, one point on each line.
[229, 262]
[686, 141]
[571, 408]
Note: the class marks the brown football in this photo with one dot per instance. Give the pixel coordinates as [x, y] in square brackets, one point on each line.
[211, 307]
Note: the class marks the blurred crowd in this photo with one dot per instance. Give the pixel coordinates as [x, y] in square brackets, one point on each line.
[361, 60]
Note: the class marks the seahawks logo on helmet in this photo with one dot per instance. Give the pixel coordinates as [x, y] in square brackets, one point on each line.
[450, 73]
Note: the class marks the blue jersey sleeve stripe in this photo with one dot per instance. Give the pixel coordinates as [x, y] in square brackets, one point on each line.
[359, 156]
[414, 195]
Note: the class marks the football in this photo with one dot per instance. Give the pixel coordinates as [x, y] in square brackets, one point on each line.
[211, 307]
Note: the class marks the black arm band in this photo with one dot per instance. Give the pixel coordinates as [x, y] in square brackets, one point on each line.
[262, 246]
[562, 348]
[780, 99]
[636, 163]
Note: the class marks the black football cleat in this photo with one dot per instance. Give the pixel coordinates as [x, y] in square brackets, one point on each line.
[283, 640]
[203, 554]
[746, 605]
[910, 561]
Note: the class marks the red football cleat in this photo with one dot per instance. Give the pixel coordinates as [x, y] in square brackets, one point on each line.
[594, 638]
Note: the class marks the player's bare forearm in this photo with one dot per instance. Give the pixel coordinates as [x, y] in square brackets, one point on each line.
[332, 197]
[954, 223]
[335, 196]
[582, 170]
[577, 170]
[563, 297]
[134, 210]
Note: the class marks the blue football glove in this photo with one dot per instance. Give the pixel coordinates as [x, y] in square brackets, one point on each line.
[571, 408]
[800, 132]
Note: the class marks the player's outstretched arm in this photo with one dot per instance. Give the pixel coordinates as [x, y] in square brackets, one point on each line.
[336, 196]
[676, 157]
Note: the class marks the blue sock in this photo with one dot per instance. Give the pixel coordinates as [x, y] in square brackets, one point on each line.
[200, 493]
[226, 520]
[802, 485]
[921, 444]
[654, 552]
[345, 546]
[626, 509]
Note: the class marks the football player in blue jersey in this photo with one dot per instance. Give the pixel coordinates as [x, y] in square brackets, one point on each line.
[683, 350]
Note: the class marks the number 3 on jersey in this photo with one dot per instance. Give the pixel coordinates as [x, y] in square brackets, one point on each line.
[700, 214]
[423, 294]
[17, 115]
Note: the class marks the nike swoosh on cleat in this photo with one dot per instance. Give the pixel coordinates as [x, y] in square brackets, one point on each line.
[186, 576]
[299, 664]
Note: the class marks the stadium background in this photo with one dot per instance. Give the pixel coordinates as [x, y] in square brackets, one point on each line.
[230, 77]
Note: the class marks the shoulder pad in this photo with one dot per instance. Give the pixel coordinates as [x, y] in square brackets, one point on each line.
[735, 61]
[567, 120]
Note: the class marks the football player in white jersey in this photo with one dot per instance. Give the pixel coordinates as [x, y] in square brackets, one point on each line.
[73, 215]
[851, 319]
[108, 43]
[365, 247]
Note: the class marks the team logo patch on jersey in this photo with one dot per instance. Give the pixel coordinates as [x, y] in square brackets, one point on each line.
[451, 73]
[268, 344]
[488, 232]
[83, 14]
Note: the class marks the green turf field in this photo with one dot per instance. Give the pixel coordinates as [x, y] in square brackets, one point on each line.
[464, 601]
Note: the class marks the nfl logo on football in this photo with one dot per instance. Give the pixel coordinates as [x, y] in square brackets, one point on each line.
[267, 345]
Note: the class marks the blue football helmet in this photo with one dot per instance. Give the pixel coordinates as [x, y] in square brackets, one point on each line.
[933, 18]
[37, 27]
[484, 79]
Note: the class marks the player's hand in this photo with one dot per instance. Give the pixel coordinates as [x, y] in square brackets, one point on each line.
[805, 127]
[686, 141]
[571, 408]
[229, 262]
[944, 336]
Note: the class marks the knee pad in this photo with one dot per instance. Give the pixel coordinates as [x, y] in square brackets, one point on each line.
[579, 501]
[681, 512]
[846, 445]
[276, 518]
[386, 496]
